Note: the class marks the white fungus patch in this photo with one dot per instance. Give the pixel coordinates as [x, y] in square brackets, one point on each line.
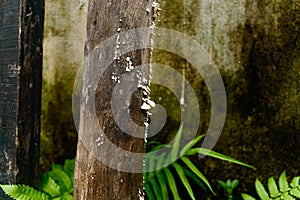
[129, 65]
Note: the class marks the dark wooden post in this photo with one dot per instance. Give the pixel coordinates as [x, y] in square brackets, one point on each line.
[93, 178]
[21, 35]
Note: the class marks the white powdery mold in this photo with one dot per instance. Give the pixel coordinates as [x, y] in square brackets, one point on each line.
[150, 102]
[117, 51]
[145, 106]
[155, 4]
[147, 10]
[129, 66]
[115, 78]
[146, 89]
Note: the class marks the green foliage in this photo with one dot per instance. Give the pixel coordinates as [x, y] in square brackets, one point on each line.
[284, 191]
[160, 178]
[57, 184]
[229, 186]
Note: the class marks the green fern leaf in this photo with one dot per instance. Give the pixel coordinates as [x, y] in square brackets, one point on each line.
[184, 179]
[23, 192]
[67, 196]
[283, 183]
[216, 155]
[163, 185]
[295, 192]
[171, 182]
[49, 186]
[155, 187]
[262, 193]
[149, 192]
[56, 167]
[195, 178]
[68, 168]
[286, 196]
[194, 169]
[191, 144]
[62, 179]
[176, 144]
[273, 188]
[295, 182]
[247, 197]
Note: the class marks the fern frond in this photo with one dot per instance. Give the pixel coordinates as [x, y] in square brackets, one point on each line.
[295, 192]
[285, 191]
[49, 186]
[262, 193]
[62, 179]
[283, 183]
[24, 192]
[68, 168]
[295, 182]
[274, 192]
[247, 197]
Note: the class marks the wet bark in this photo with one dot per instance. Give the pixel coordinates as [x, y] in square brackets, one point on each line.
[21, 35]
[94, 179]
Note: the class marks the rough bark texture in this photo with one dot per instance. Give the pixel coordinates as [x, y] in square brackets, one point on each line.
[93, 179]
[21, 35]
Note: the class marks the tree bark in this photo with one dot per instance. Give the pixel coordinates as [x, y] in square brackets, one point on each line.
[94, 179]
[21, 35]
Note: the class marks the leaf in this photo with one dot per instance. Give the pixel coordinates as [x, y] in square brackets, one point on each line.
[176, 144]
[194, 169]
[49, 186]
[171, 182]
[155, 187]
[283, 183]
[67, 196]
[295, 192]
[56, 167]
[273, 187]
[191, 144]
[262, 193]
[68, 168]
[235, 183]
[62, 179]
[247, 197]
[217, 156]
[149, 192]
[286, 196]
[183, 179]
[24, 192]
[295, 182]
[160, 161]
[163, 185]
[195, 178]
[222, 184]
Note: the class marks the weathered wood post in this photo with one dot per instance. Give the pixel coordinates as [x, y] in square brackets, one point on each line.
[107, 22]
[21, 35]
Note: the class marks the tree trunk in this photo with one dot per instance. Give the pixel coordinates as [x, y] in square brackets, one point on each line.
[21, 35]
[101, 171]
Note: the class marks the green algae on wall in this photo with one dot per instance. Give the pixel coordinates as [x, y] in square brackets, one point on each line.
[65, 30]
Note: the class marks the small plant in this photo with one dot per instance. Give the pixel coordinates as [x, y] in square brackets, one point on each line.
[229, 186]
[57, 184]
[285, 191]
[158, 183]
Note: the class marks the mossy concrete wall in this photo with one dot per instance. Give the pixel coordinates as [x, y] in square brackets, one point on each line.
[65, 30]
[256, 46]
